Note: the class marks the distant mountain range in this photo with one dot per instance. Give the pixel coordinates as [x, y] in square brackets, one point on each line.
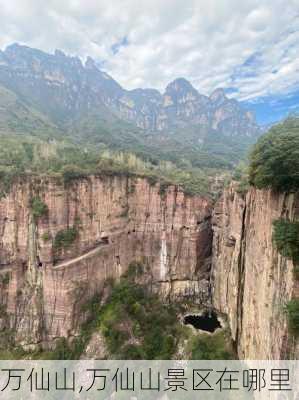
[55, 93]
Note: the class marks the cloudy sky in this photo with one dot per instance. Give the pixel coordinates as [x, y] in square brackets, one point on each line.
[248, 47]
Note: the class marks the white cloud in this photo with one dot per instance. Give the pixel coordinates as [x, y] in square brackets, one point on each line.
[207, 42]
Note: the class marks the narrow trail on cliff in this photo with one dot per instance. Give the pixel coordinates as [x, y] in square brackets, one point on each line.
[5, 270]
[82, 257]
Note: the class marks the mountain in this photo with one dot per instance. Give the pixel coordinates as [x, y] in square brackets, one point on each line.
[82, 102]
[17, 117]
[182, 105]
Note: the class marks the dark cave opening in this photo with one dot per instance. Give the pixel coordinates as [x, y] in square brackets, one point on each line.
[208, 321]
[105, 239]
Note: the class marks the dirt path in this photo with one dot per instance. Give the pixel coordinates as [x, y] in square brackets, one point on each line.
[4, 270]
[80, 258]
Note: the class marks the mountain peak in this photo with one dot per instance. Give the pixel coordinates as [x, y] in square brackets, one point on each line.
[14, 46]
[59, 53]
[218, 95]
[179, 85]
[90, 63]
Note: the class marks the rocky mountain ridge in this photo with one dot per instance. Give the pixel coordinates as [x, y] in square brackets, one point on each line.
[65, 89]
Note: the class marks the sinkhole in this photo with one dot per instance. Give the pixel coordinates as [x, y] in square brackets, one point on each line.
[208, 321]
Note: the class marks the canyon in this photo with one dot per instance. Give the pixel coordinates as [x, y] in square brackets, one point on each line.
[193, 249]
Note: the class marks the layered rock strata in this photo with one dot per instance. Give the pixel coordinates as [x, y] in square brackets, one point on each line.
[252, 282]
[117, 220]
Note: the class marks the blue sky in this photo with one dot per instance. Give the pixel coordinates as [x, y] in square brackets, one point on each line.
[250, 48]
[273, 108]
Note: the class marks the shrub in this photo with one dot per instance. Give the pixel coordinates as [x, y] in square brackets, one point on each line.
[292, 309]
[286, 238]
[125, 212]
[3, 312]
[163, 188]
[274, 161]
[38, 208]
[4, 279]
[131, 309]
[135, 270]
[72, 172]
[65, 238]
[46, 236]
[240, 175]
[62, 350]
[211, 347]
[132, 352]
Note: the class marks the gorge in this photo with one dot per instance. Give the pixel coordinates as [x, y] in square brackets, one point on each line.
[60, 243]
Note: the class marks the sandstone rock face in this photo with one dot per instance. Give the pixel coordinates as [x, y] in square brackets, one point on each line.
[118, 220]
[251, 280]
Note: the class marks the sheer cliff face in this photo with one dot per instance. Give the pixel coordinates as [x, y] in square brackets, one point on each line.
[118, 220]
[251, 280]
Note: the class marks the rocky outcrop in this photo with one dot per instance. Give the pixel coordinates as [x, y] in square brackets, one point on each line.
[252, 282]
[117, 220]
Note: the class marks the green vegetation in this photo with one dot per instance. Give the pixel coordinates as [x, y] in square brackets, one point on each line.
[17, 117]
[21, 156]
[108, 146]
[3, 312]
[274, 162]
[133, 315]
[240, 176]
[211, 347]
[135, 325]
[292, 309]
[65, 238]
[5, 278]
[38, 208]
[286, 239]
[46, 236]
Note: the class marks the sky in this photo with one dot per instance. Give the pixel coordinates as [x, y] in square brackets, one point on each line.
[250, 47]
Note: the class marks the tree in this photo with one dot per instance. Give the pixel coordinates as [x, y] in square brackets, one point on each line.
[286, 238]
[274, 162]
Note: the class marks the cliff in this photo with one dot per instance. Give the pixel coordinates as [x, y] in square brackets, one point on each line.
[190, 250]
[116, 220]
[252, 282]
